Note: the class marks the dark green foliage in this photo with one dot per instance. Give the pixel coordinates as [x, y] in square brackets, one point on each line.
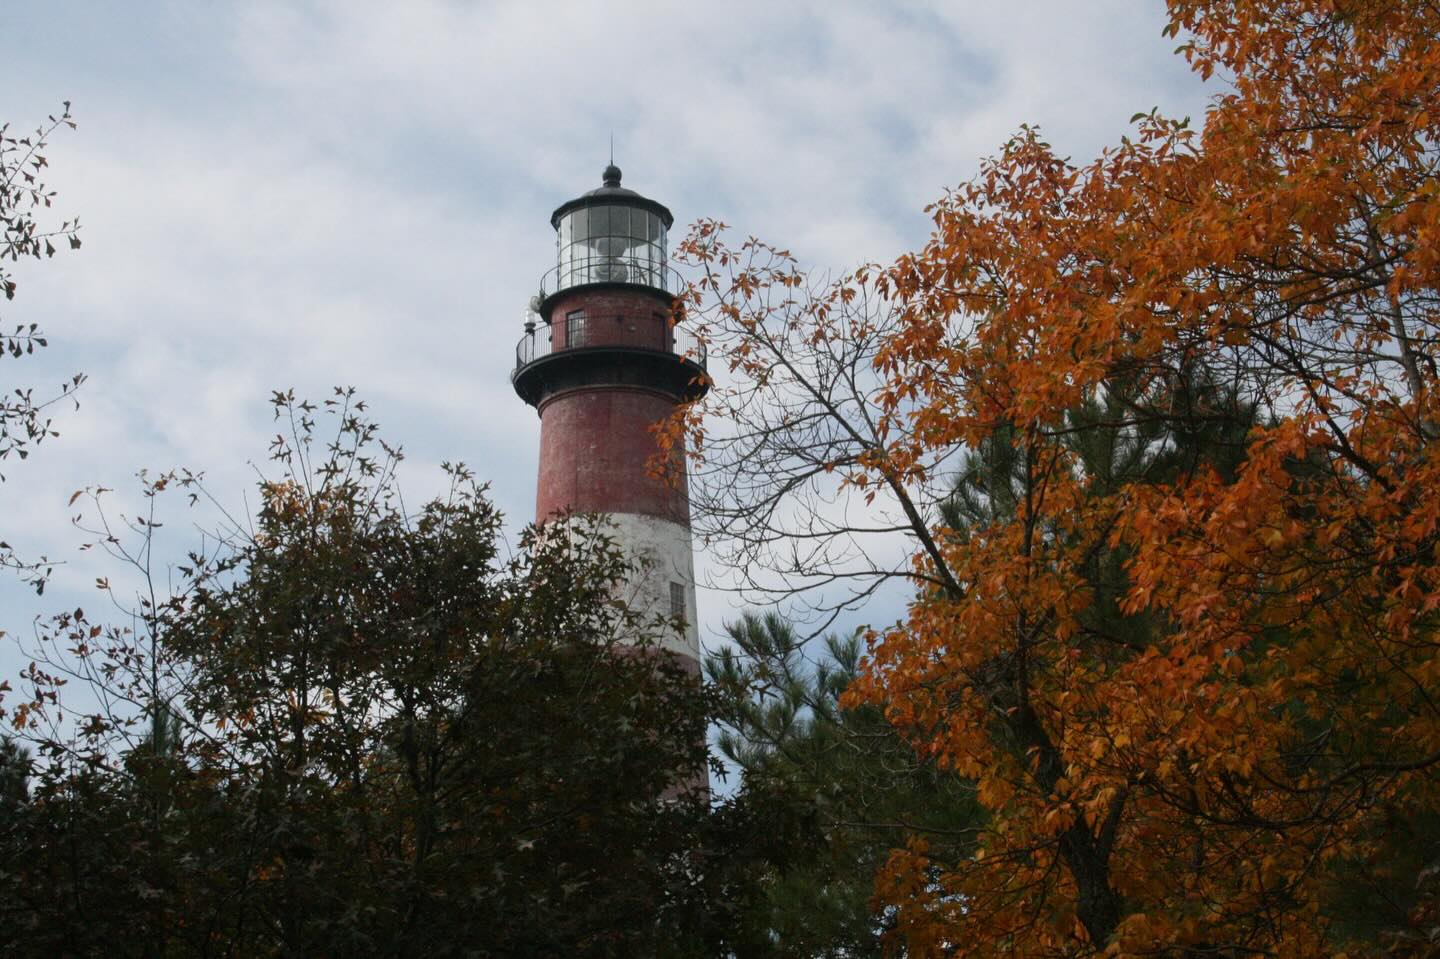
[373, 733]
[848, 783]
[15, 768]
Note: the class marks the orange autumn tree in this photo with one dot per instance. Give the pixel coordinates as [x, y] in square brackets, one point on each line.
[1187, 646]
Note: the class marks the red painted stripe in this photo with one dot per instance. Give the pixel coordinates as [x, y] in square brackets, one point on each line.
[595, 447]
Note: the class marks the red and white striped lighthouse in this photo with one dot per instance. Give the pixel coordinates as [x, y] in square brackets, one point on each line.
[602, 367]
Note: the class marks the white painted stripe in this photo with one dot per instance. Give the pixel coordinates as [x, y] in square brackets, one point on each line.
[664, 549]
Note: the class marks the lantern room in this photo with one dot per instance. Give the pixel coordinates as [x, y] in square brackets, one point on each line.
[605, 314]
[611, 235]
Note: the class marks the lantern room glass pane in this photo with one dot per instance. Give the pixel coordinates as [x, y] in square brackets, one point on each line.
[610, 243]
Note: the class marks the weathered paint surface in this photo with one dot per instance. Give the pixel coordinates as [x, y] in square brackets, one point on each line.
[664, 551]
[595, 447]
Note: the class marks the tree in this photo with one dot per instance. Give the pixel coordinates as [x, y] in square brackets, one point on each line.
[23, 198]
[854, 783]
[15, 765]
[1192, 677]
[359, 730]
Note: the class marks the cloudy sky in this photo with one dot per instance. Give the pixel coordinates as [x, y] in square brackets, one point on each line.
[301, 195]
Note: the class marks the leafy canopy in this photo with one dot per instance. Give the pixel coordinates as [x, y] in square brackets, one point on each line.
[357, 729]
[1179, 622]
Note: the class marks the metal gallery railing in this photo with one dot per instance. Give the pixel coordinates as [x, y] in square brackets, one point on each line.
[540, 343]
[639, 271]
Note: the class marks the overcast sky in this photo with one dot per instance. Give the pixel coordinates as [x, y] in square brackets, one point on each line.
[302, 195]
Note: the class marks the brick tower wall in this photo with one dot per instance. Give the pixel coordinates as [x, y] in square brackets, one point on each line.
[597, 443]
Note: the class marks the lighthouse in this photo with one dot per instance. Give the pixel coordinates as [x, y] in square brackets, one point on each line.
[602, 362]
